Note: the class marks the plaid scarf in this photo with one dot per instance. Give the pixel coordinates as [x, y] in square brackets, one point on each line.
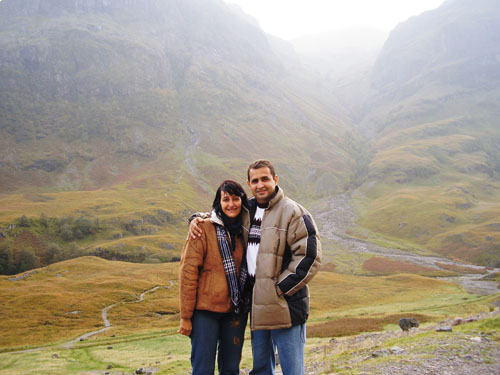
[236, 287]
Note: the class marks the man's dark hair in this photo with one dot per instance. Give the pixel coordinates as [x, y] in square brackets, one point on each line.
[261, 163]
[230, 187]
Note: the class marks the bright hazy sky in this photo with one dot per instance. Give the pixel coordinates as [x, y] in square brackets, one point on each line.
[288, 19]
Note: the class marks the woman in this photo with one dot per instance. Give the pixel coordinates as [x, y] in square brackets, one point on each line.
[212, 280]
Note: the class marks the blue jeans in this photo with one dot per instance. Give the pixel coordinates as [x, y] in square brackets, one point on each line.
[290, 343]
[217, 332]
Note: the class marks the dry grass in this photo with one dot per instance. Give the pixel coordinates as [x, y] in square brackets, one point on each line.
[353, 326]
[461, 269]
[386, 266]
[335, 296]
[64, 300]
[328, 267]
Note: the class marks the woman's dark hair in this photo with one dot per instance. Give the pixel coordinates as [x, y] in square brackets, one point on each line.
[230, 187]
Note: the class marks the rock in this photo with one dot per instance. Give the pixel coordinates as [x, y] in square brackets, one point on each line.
[448, 218]
[397, 350]
[476, 339]
[109, 367]
[406, 323]
[380, 353]
[47, 165]
[143, 371]
[164, 216]
[110, 347]
[167, 245]
[444, 329]
[151, 219]
[457, 321]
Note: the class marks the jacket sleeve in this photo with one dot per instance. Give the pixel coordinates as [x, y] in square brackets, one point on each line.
[305, 246]
[203, 215]
[192, 258]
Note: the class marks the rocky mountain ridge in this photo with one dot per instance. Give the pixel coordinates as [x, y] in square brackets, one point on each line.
[145, 78]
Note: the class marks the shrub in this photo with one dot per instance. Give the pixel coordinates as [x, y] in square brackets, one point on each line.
[23, 221]
[25, 259]
[6, 259]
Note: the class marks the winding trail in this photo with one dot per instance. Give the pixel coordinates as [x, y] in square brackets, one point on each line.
[104, 313]
[339, 216]
[107, 324]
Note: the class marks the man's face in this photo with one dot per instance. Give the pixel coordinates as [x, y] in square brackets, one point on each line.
[262, 184]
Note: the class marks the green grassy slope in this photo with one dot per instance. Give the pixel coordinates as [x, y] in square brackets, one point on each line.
[435, 141]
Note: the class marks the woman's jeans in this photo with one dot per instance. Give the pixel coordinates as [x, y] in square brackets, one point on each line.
[221, 333]
[290, 343]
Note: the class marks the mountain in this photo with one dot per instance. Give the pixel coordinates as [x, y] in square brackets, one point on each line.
[126, 115]
[456, 43]
[120, 118]
[432, 117]
[91, 88]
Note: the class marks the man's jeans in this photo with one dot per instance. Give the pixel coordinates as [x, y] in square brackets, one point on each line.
[209, 329]
[290, 343]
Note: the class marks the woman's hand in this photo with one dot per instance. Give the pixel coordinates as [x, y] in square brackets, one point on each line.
[194, 230]
[185, 327]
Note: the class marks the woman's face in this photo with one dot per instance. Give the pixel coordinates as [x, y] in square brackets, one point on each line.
[231, 204]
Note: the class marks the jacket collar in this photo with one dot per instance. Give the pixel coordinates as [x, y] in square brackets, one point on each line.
[215, 219]
[277, 197]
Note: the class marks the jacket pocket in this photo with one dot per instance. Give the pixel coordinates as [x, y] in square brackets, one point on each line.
[298, 305]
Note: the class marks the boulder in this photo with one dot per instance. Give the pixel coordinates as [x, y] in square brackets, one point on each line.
[444, 329]
[407, 323]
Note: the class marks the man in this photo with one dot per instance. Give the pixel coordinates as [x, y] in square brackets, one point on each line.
[283, 254]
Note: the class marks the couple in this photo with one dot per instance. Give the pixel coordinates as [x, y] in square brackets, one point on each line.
[252, 255]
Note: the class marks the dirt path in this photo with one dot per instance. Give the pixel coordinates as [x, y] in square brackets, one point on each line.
[104, 313]
[340, 216]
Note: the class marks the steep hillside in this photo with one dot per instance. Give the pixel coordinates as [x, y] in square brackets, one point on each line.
[96, 91]
[433, 121]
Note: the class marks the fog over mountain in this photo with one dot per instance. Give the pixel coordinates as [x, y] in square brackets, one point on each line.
[341, 53]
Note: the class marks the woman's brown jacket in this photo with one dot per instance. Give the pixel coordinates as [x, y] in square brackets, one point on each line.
[202, 280]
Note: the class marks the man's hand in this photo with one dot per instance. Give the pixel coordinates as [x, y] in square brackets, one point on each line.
[194, 230]
[185, 327]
